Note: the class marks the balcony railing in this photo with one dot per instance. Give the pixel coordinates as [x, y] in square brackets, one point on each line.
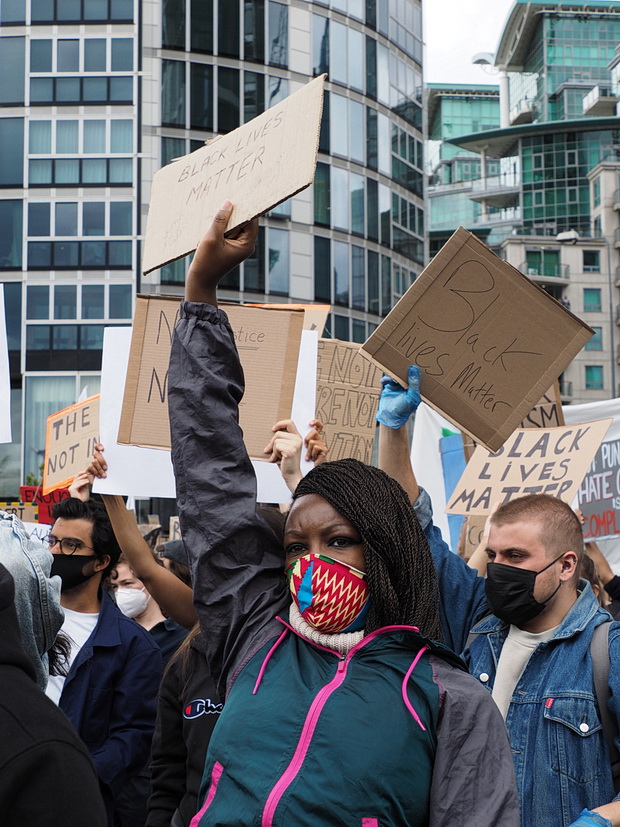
[599, 101]
[546, 270]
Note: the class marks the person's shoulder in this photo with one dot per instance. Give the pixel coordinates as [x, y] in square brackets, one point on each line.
[129, 631]
[459, 687]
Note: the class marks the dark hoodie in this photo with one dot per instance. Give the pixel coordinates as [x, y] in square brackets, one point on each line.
[46, 775]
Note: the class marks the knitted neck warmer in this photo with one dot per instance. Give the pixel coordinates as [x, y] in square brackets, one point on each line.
[342, 642]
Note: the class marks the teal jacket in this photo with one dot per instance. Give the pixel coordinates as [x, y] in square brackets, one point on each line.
[395, 733]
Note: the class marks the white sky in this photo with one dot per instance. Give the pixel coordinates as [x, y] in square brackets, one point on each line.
[455, 31]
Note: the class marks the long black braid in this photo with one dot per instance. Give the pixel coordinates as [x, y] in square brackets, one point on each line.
[402, 580]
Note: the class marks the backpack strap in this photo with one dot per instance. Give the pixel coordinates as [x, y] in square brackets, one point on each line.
[599, 650]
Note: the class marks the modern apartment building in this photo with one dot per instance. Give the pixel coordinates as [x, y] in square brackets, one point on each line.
[98, 94]
[541, 208]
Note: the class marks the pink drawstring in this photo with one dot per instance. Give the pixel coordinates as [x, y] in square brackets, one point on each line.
[404, 688]
[266, 661]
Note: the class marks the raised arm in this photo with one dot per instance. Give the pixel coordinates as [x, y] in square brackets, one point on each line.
[236, 561]
[174, 597]
[463, 602]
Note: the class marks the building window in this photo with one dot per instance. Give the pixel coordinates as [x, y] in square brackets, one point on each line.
[201, 26]
[596, 192]
[277, 34]
[11, 234]
[591, 300]
[278, 258]
[591, 261]
[322, 269]
[37, 302]
[12, 70]
[228, 28]
[173, 93]
[254, 30]
[594, 377]
[596, 342]
[12, 154]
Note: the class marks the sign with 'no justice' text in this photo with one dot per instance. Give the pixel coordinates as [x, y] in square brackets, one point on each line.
[489, 342]
[268, 342]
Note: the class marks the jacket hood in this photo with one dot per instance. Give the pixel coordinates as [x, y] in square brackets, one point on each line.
[37, 595]
[11, 650]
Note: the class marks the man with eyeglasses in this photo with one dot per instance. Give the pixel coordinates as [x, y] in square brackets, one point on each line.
[114, 665]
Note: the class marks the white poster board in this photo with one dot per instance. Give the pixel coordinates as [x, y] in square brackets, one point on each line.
[147, 472]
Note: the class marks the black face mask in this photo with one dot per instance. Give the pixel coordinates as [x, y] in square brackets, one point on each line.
[69, 568]
[510, 592]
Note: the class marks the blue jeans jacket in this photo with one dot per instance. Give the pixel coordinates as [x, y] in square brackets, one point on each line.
[37, 595]
[560, 754]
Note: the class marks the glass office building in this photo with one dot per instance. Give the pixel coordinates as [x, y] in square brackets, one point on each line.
[558, 99]
[98, 94]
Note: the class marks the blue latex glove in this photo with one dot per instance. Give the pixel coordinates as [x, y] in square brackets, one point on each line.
[589, 819]
[397, 404]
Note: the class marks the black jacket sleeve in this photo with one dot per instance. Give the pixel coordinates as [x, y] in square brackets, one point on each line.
[237, 564]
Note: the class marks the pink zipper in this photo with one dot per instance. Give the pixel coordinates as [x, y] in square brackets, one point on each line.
[216, 774]
[312, 719]
[304, 742]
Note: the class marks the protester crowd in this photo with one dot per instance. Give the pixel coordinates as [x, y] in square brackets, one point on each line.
[331, 663]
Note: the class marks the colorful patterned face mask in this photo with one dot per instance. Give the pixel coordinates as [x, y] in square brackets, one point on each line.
[331, 596]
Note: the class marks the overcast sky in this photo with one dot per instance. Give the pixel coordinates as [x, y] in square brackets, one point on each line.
[455, 31]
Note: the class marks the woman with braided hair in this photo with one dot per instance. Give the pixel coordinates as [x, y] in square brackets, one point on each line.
[342, 706]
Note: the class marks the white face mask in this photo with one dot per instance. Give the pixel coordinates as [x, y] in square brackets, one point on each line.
[132, 602]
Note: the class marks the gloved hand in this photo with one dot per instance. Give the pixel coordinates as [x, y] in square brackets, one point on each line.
[587, 818]
[397, 404]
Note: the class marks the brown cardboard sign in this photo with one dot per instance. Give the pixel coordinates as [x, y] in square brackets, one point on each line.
[256, 167]
[315, 315]
[471, 535]
[174, 529]
[347, 397]
[69, 443]
[532, 461]
[489, 341]
[26, 512]
[547, 414]
[268, 343]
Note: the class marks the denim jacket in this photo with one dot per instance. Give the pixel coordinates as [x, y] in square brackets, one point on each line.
[559, 749]
[37, 595]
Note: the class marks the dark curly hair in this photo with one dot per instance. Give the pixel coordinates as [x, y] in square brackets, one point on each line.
[104, 540]
[402, 580]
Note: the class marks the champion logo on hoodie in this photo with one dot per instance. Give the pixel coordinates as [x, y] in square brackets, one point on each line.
[201, 706]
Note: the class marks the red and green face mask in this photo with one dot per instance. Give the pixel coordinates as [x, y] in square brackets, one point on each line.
[331, 596]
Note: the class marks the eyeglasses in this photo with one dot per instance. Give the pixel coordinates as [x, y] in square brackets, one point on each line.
[67, 545]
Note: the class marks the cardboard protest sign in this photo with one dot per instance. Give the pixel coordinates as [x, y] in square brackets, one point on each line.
[533, 461]
[488, 340]
[471, 535]
[348, 389]
[599, 494]
[174, 529]
[32, 494]
[256, 167]
[70, 440]
[315, 315]
[26, 512]
[546, 414]
[5, 379]
[268, 343]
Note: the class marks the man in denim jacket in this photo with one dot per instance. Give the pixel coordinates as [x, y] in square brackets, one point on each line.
[534, 609]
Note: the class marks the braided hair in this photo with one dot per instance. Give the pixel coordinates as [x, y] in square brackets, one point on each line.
[402, 580]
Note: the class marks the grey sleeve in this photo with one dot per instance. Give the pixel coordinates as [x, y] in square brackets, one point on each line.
[473, 777]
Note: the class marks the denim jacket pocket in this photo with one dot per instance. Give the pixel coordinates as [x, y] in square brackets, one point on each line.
[573, 722]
